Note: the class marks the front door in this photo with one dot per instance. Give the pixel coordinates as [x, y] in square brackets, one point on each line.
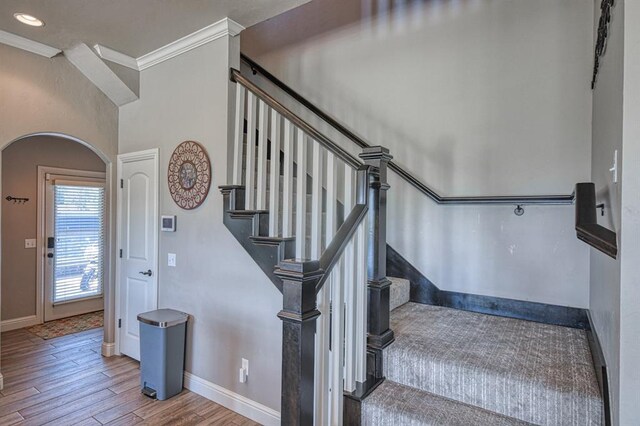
[138, 228]
[74, 243]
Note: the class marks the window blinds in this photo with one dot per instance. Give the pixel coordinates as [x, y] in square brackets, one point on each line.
[79, 241]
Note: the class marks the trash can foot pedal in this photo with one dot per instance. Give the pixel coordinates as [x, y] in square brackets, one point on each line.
[151, 393]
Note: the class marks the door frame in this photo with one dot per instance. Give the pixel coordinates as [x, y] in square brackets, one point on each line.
[149, 154]
[41, 229]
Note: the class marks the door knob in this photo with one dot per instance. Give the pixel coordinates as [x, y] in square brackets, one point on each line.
[147, 273]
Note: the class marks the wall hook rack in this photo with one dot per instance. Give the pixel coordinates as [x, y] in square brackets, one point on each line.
[20, 200]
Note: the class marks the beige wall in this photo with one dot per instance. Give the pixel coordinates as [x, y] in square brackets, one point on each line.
[20, 162]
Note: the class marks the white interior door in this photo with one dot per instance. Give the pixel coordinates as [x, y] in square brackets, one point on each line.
[74, 244]
[138, 228]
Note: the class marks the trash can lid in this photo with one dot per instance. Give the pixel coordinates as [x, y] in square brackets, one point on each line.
[163, 318]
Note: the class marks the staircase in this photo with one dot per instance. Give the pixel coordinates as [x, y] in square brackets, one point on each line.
[451, 367]
[356, 350]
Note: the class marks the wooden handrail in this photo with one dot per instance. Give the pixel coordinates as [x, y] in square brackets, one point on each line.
[237, 77]
[587, 228]
[406, 175]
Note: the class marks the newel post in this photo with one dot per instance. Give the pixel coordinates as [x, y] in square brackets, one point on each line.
[298, 317]
[380, 336]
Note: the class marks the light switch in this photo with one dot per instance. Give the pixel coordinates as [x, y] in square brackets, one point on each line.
[171, 259]
[614, 168]
[30, 243]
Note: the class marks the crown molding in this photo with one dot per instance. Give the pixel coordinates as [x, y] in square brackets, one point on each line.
[28, 45]
[222, 28]
[116, 57]
[94, 68]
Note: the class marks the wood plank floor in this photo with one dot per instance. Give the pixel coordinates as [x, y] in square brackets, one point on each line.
[65, 381]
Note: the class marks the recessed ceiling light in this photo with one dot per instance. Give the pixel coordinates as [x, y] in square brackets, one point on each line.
[28, 19]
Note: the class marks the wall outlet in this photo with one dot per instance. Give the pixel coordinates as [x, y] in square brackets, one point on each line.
[171, 259]
[30, 243]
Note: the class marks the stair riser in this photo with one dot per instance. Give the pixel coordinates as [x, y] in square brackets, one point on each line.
[399, 293]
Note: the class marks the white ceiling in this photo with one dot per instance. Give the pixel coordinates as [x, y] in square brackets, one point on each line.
[132, 27]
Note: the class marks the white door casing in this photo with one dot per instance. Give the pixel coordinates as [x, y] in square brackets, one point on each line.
[49, 175]
[137, 226]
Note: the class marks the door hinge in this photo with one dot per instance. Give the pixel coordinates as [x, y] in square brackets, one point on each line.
[120, 253]
[121, 183]
[120, 323]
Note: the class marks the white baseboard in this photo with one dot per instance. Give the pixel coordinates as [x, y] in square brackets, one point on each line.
[16, 323]
[108, 349]
[233, 401]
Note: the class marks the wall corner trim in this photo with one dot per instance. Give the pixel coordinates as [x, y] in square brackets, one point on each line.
[231, 400]
[202, 36]
[108, 349]
[116, 57]
[16, 323]
[28, 45]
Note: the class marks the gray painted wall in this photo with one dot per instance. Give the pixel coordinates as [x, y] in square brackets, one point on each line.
[474, 98]
[614, 283]
[50, 95]
[233, 304]
[20, 163]
[630, 222]
[607, 137]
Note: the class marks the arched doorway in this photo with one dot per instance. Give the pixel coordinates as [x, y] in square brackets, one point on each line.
[50, 150]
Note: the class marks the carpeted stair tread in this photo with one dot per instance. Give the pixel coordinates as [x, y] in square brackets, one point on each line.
[400, 292]
[395, 404]
[538, 373]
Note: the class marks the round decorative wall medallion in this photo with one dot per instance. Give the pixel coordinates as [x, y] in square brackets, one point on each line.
[189, 175]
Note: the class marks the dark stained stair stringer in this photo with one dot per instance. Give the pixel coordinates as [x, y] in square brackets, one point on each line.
[250, 228]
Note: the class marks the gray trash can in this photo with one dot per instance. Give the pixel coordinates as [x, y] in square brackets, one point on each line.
[162, 341]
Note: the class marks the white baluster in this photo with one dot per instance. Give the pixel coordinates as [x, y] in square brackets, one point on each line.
[274, 176]
[301, 196]
[251, 152]
[263, 129]
[316, 201]
[287, 180]
[238, 140]
[361, 301]
[337, 343]
[350, 289]
[322, 360]
[325, 302]
[332, 198]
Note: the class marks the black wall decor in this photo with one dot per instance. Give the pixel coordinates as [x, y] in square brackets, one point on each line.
[603, 33]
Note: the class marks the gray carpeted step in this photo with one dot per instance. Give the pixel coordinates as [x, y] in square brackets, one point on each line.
[400, 292]
[534, 372]
[393, 404]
